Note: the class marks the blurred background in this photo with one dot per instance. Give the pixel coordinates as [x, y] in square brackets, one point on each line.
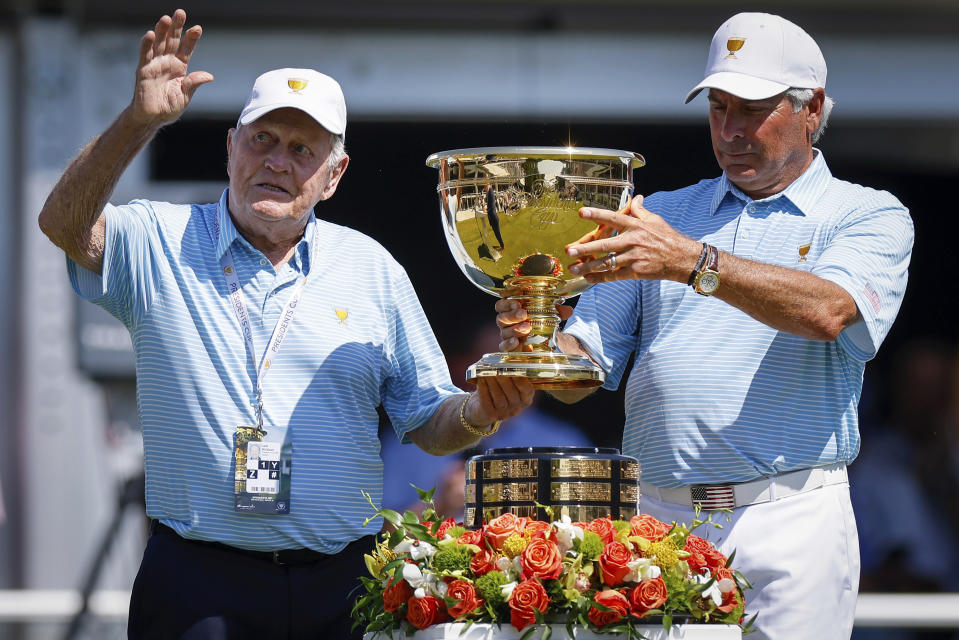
[421, 77]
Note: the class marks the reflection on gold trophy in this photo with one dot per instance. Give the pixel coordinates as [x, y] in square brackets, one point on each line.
[734, 44]
[509, 213]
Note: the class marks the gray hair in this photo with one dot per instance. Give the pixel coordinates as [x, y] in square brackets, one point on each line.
[800, 98]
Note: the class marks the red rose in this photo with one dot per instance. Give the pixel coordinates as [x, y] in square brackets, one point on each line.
[648, 527]
[539, 529]
[483, 562]
[603, 527]
[703, 554]
[527, 598]
[444, 526]
[474, 536]
[466, 594]
[541, 559]
[615, 601]
[613, 563]
[730, 601]
[498, 529]
[647, 595]
[396, 595]
[425, 611]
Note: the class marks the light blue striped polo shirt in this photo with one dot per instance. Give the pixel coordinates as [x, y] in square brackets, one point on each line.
[716, 396]
[359, 339]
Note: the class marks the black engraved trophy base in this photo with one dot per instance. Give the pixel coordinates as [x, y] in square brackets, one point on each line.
[582, 482]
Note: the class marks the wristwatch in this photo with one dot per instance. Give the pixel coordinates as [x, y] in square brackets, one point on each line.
[706, 280]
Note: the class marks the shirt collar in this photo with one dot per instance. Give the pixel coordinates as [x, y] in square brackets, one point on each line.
[803, 192]
[225, 233]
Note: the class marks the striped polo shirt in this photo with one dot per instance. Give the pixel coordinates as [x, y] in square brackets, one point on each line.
[715, 396]
[359, 339]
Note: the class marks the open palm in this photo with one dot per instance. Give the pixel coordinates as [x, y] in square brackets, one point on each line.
[163, 85]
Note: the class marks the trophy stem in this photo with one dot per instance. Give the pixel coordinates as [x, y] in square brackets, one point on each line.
[537, 294]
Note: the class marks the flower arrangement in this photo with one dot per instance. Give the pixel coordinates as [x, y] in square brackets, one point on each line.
[607, 575]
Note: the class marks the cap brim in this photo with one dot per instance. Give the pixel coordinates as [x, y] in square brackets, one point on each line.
[739, 85]
[259, 112]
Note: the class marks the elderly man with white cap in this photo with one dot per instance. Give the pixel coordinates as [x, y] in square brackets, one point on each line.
[750, 304]
[265, 339]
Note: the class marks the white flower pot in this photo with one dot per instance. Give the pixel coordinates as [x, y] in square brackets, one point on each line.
[508, 632]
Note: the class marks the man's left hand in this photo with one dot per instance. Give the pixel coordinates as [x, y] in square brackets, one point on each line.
[645, 247]
[500, 397]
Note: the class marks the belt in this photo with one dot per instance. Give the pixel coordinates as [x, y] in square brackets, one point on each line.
[742, 494]
[282, 557]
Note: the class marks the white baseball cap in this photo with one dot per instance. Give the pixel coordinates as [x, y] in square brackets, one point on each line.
[758, 55]
[313, 93]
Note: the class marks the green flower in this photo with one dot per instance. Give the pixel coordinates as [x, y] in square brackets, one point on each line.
[488, 586]
[452, 558]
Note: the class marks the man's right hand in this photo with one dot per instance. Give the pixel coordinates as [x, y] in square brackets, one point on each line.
[513, 323]
[163, 87]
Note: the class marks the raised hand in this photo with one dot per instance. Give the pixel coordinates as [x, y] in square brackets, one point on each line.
[164, 88]
[645, 246]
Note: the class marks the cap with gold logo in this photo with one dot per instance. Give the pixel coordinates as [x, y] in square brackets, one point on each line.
[759, 55]
[312, 92]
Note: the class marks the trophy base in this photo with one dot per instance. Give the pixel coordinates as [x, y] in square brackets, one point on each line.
[545, 370]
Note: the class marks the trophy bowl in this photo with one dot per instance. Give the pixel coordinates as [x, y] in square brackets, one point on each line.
[509, 214]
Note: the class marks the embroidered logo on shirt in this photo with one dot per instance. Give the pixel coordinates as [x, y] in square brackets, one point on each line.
[342, 314]
[873, 297]
[803, 251]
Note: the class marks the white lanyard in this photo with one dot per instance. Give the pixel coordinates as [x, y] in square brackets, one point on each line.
[279, 331]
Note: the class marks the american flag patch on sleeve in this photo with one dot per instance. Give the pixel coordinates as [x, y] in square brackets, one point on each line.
[872, 296]
[712, 497]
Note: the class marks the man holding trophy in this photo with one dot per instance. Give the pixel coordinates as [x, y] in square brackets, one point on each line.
[256, 456]
[751, 303]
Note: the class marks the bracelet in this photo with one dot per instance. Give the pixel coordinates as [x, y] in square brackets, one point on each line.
[466, 425]
[699, 264]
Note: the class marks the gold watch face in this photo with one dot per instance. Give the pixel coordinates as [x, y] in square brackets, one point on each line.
[708, 283]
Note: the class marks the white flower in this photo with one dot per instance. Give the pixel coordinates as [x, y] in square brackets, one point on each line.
[726, 585]
[507, 589]
[566, 532]
[642, 569]
[416, 548]
[423, 583]
[713, 590]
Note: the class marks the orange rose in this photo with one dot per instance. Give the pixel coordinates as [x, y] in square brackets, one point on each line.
[538, 529]
[647, 595]
[648, 527]
[466, 594]
[474, 536]
[443, 527]
[603, 527]
[703, 554]
[527, 598]
[396, 595]
[541, 559]
[425, 611]
[730, 601]
[483, 562]
[498, 529]
[615, 601]
[613, 563]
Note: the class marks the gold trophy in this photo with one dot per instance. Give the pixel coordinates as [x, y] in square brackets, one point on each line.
[509, 214]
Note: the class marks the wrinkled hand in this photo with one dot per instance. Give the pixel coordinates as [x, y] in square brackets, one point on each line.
[163, 87]
[645, 245]
[500, 397]
[514, 326]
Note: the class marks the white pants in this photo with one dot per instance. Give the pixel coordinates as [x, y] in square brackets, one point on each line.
[800, 553]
